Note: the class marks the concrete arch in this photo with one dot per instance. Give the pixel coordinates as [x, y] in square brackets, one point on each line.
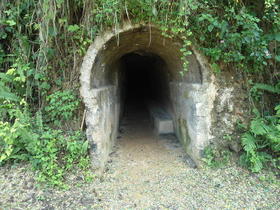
[191, 96]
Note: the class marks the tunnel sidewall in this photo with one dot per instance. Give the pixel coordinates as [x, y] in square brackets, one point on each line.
[195, 103]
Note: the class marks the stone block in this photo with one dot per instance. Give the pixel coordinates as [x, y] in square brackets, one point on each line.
[163, 126]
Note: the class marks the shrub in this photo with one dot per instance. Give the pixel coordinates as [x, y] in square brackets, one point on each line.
[61, 106]
[51, 152]
[261, 142]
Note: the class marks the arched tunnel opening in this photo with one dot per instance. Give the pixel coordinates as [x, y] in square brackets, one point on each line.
[144, 83]
[140, 68]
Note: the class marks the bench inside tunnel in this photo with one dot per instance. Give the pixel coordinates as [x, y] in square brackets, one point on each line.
[161, 120]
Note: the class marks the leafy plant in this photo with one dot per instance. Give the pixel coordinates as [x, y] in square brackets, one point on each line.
[233, 37]
[51, 152]
[257, 90]
[261, 142]
[14, 140]
[215, 158]
[55, 153]
[61, 106]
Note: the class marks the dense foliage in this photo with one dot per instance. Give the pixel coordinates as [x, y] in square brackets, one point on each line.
[261, 142]
[42, 42]
[27, 137]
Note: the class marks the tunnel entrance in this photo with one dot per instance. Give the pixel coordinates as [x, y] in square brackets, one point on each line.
[138, 65]
[144, 82]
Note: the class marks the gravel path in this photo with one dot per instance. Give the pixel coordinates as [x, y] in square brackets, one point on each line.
[144, 173]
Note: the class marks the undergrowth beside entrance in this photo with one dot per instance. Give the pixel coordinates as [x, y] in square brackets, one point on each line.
[42, 43]
[52, 152]
[261, 141]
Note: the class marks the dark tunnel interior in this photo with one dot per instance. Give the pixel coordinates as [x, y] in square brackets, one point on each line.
[145, 80]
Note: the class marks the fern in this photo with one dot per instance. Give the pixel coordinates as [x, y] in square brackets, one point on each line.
[261, 142]
[268, 88]
[6, 94]
[248, 143]
[258, 127]
[256, 163]
[274, 138]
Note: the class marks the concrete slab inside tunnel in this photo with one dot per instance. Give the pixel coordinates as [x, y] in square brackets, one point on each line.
[138, 65]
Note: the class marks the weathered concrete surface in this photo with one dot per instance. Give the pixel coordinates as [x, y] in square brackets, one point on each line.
[102, 121]
[163, 126]
[189, 99]
[230, 109]
[193, 104]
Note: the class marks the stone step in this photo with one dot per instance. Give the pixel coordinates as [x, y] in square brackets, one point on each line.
[161, 119]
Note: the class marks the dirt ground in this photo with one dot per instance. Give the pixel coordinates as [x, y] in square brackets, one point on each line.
[144, 172]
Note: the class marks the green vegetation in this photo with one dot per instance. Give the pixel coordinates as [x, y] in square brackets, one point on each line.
[216, 158]
[261, 142]
[52, 152]
[61, 107]
[42, 43]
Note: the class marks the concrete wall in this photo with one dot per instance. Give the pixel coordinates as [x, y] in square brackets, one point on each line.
[192, 105]
[102, 121]
[191, 96]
